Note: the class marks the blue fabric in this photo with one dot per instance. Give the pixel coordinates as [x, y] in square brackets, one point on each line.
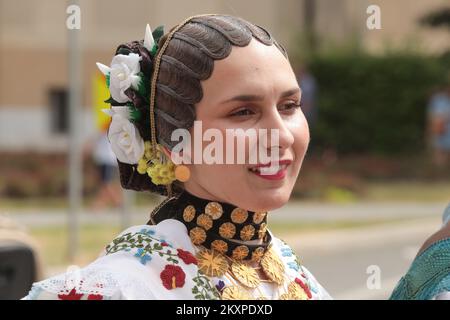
[428, 276]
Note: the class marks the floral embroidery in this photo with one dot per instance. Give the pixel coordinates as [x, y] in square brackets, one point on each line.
[220, 285]
[293, 265]
[143, 256]
[186, 256]
[72, 295]
[164, 242]
[203, 290]
[286, 252]
[149, 232]
[172, 277]
[145, 244]
[304, 287]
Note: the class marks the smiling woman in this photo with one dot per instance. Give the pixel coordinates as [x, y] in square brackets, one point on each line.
[209, 239]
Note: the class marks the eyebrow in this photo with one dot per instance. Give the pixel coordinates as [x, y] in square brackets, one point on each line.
[252, 97]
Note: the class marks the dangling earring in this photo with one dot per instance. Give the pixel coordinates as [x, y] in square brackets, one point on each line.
[182, 173]
[159, 168]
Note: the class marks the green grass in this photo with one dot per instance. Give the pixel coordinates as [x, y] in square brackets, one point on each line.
[408, 191]
[52, 242]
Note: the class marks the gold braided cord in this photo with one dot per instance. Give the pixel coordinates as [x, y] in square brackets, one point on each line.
[155, 77]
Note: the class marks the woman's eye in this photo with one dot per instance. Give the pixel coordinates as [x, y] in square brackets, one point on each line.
[290, 106]
[242, 112]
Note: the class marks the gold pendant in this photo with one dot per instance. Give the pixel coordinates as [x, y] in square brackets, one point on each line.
[273, 267]
[197, 235]
[204, 221]
[247, 232]
[227, 230]
[235, 293]
[258, 217]
[189, 213]
[214, 210]
[245, 274]
[220, 246]
[285, 296]
[240, 252]
[239, 215]
[257, 254]
[212, 263]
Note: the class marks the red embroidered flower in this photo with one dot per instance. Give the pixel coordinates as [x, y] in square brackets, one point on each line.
[72, 295]
[172, 277]
[95, 297]
[304, 287]
[164, 244]
[186, 256]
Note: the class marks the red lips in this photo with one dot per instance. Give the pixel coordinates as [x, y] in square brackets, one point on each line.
[271, 170]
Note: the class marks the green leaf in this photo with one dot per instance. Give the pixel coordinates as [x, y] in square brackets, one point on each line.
[135, 115]
[158, 33]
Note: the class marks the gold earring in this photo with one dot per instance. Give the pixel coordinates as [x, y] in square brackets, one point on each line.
[182, 173]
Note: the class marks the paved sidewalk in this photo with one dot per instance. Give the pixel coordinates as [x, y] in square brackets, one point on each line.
[294, 211]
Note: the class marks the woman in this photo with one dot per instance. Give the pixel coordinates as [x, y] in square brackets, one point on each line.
[209, 238]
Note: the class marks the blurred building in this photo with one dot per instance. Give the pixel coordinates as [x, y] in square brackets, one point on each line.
[33, 47]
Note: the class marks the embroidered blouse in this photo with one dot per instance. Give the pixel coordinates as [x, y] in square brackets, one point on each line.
[160, 261]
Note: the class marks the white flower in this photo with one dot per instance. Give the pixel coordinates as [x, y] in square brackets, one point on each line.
[126, 142]
[121, 110]
[122, 75]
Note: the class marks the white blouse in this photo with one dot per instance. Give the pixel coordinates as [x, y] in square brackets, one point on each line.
[158, 262]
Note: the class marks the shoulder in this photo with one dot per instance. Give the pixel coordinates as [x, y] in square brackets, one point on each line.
[142, 262]
[297, 271]
[429, 274]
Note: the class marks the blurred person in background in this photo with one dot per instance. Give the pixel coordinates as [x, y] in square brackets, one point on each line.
[308, 84]
[439, 125]
[109, 192]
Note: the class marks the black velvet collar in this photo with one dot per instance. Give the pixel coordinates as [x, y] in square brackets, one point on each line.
[218, 225]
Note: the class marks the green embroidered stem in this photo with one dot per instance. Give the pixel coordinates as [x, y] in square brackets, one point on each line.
[136, 240]
[203, 289]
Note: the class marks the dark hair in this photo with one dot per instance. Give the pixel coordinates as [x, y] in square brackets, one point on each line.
[188, 59]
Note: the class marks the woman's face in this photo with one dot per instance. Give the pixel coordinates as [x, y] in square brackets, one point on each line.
[269, 92]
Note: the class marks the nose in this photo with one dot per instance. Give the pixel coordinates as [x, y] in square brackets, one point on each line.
[279, 134]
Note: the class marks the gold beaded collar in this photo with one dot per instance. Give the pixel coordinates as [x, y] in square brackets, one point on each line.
[223, 227]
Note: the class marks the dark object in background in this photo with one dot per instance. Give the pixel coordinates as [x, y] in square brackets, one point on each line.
[59, 110]
[17, 270]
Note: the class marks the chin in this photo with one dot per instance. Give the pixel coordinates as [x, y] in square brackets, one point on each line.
[268, 200]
